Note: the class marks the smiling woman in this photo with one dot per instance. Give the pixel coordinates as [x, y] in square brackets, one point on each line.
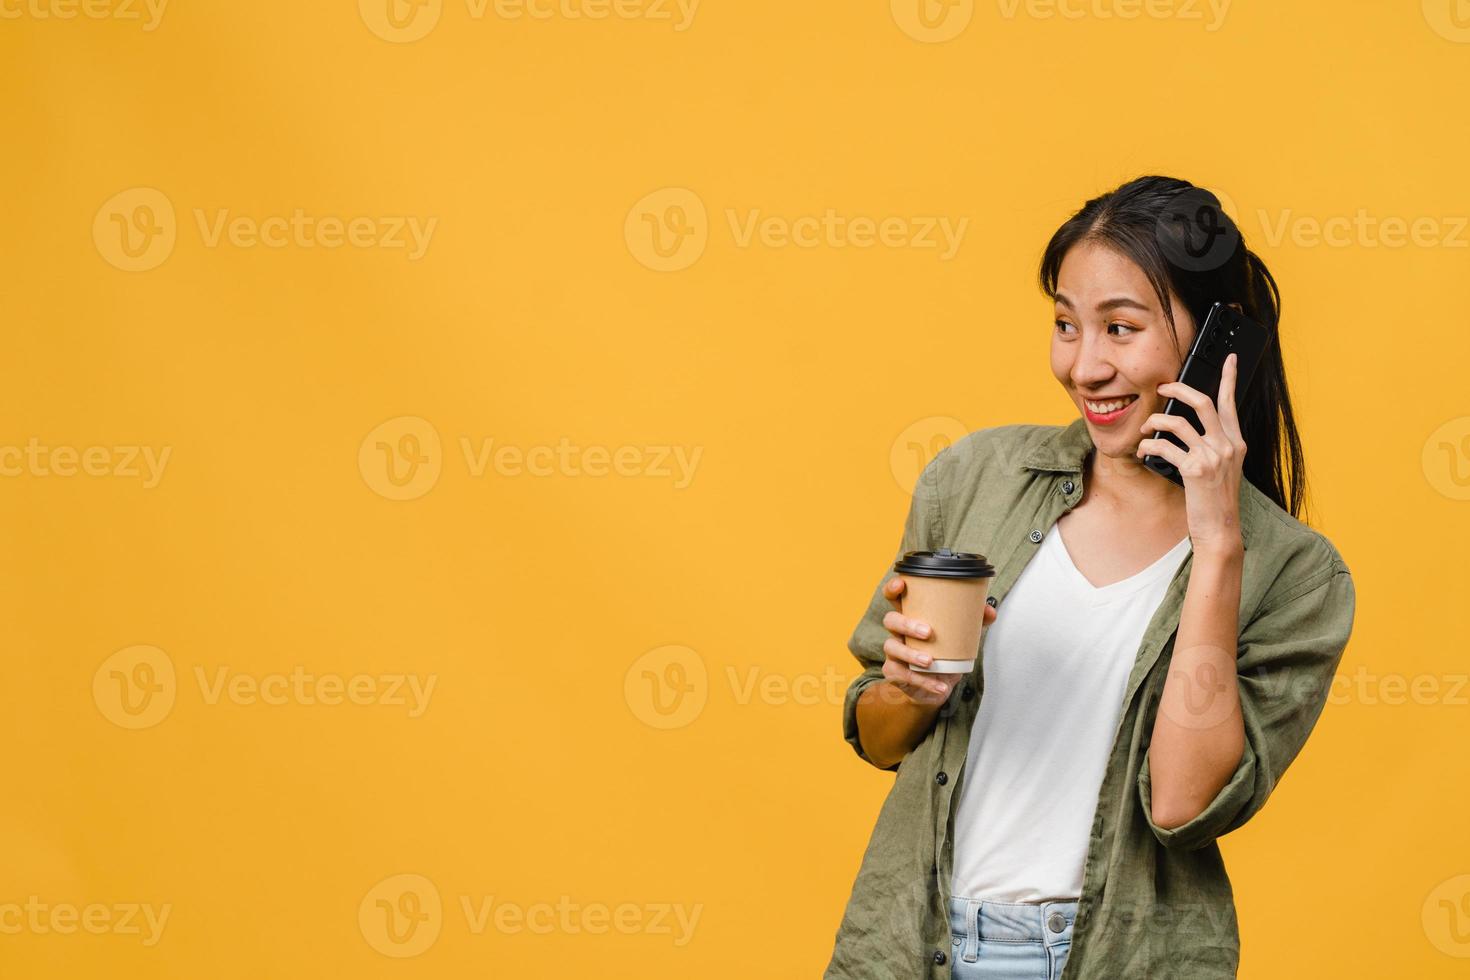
[1132, 275]
[1096, 744]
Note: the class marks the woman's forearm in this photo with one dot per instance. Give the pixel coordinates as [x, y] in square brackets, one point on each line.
[890, 723]
[1198, 736]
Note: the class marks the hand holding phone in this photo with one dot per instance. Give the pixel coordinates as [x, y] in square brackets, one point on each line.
[1224, 332]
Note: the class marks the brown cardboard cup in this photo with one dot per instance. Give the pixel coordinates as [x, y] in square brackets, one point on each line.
[947, 590]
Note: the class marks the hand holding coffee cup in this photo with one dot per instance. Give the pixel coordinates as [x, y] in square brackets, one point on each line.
[939, 610]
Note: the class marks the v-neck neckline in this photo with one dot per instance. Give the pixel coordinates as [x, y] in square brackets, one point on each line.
[1123, 587]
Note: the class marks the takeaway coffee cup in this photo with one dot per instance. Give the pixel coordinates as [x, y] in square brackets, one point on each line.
[947, 590]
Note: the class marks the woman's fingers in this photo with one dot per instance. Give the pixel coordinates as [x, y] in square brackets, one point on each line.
[1195, 399]
[896, 649]
[1165, 449]
[1225, 399]
[911, 681]
[1159, 422]
[897, 622]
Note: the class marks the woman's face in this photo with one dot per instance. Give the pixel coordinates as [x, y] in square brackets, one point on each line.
[1111, 344]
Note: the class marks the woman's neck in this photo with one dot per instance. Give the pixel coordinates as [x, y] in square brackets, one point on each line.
[1129, 487]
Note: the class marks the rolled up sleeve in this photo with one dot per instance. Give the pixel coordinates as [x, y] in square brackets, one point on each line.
[922, 528]
[1286, 660]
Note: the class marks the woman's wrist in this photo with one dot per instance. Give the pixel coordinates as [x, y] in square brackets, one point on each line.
[1225, 552]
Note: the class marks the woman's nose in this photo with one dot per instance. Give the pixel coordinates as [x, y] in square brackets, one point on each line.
[1090, 368]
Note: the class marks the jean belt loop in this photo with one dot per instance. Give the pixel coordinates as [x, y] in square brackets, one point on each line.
[971, 952]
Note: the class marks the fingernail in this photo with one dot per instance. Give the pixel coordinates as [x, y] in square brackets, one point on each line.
[925, 659]
[921, 628]
[943, 687]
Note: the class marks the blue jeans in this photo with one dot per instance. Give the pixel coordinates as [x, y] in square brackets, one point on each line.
[1009, 941]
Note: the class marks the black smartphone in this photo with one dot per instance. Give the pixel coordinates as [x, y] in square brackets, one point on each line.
[1224, 332]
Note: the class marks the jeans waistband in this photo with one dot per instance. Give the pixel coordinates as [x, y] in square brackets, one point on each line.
[974, 919]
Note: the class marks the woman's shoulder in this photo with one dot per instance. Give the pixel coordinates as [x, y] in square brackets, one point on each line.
[1290, 534]
[1293, 556]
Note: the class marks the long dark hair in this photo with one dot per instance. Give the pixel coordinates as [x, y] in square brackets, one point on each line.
[1185, 242]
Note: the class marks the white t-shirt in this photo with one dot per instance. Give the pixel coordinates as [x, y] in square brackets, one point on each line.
[1056, 664]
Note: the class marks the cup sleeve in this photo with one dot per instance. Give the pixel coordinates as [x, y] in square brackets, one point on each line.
[1286, 660]
[922, 529]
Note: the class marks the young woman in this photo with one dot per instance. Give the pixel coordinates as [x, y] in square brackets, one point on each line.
[1154, 656]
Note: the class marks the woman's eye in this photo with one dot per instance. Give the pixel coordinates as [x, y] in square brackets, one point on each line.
[1062, 326]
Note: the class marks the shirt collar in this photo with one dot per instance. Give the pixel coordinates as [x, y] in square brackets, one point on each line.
[1065, 449]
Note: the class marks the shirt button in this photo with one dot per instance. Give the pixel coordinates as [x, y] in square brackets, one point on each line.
[941, 777]
[1035, 535]
[968, 693]
[1055, 922]
[1068, 487]
[939, 957]
[990, 601]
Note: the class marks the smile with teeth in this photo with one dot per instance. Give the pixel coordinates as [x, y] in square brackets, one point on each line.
[1104, 408]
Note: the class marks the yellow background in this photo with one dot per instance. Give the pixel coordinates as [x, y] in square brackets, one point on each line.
[540, 772]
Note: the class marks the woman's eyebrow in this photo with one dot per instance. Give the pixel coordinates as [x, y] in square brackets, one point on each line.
[1107, 304]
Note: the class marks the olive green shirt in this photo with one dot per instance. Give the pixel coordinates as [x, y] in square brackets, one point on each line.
[1154, 902]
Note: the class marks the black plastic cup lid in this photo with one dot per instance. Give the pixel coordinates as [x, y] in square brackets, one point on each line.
[944, 564]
